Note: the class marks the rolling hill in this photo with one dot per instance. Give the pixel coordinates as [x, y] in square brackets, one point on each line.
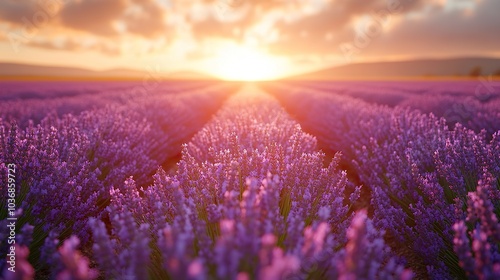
[16, 71]
[422, 68]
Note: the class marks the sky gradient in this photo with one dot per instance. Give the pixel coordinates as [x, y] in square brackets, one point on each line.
[269, 38]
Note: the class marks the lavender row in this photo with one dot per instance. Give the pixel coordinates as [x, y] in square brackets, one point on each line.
[251, 199]
[474, 104]
[422, 175]
[67, 166]
[33, 101]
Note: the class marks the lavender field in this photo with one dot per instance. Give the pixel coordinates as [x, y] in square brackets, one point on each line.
[277, 180]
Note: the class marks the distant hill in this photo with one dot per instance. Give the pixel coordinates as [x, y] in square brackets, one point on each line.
[422, 68]
[10, 71]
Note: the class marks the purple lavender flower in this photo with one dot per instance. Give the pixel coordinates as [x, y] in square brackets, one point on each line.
[366, 254]
[22, 269]
[75, 265]
[127, 255]
[477, 249]
[416, 167]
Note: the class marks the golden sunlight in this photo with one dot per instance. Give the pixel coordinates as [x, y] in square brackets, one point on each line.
[238, 63]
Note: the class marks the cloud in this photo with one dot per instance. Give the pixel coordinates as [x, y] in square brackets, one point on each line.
[36, 22]
[234, 19]
[77, 46]
[302, 26]
[284, 27]
[110, 17]
[211, 28]
[443, 32]
[14, 11]
[95, 16]
[322, 32]
[147, 20]
[417, 29]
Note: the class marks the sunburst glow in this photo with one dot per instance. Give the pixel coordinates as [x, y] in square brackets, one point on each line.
[246, 64]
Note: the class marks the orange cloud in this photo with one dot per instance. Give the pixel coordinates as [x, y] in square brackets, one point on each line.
[301, 30]
[94, 16]
[16, 11]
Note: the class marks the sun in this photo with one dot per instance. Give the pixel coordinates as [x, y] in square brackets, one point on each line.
[237, 63]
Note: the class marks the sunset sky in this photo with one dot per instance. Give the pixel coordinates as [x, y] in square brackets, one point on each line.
[233, 38]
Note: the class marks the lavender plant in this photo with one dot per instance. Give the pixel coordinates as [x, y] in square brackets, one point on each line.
[246, 208]
[68, 165]
[252, 196]
[415, 165]
[477, 235]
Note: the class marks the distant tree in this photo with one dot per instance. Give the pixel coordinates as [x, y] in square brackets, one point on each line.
[475, 72]
[497, 73]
